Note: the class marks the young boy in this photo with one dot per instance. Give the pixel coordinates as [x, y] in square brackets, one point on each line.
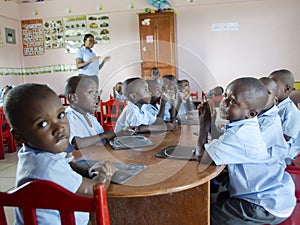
[260, 192]
[187, 104]
[270, 124]
[169, 88]
[118, 92]
[288, 112]
[86, 131]
[134, 114]
[44, 130]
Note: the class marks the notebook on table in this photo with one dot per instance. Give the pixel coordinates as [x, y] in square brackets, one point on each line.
[178, 152]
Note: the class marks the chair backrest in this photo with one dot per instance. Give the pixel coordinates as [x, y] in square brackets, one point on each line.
[63, 100]
[195, 95]
[5, 135]
[110, 111]
[45, 194]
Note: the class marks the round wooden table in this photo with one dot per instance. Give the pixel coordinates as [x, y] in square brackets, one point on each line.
[168, 191]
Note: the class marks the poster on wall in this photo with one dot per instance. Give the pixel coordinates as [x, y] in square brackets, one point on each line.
[98, 25]
[75, 29]
[54, 33]
[32, 37]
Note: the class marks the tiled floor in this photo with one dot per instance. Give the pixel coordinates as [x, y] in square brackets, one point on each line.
[7, 179]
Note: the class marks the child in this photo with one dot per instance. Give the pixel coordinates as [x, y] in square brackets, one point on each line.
[118, 92]
[5, 90]
[44, 130]
[288, 112]
[270, 124]
[134, 115]
[169, 88]
[187, 104]
[154, 73]
[86, 131]
[260, 192]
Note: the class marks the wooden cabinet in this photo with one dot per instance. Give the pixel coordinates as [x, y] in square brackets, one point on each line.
[157, 42]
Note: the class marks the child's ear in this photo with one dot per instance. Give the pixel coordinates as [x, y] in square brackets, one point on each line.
[73, 97]
[251, 114]
[132, 96]
[17, 136]
[287, 88]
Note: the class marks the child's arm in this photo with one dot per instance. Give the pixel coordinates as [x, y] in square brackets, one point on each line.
[101, 172]
[85, 142]
[214, 130]
[161, 112]
[204, 127]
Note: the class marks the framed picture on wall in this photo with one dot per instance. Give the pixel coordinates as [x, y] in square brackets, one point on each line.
[10, 36]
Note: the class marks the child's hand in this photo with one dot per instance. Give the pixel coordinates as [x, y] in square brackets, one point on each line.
[205, 116]
[103, 169]
[106, 58]
[108, 134]
[127, 131]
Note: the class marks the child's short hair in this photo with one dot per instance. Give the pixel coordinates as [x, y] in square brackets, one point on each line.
[16, 97]
[257, 93]
[154, 72]
[284, 75]
[127, 86]
[72, 84]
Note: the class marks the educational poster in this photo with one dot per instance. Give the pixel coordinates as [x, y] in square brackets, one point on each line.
[98, 25]
[54, 33]
[32, 37]
[75, 29]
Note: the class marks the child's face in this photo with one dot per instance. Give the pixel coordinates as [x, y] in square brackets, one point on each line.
[86, 96]
[119, 88]
[44, 125]
[141, 93]
[169, 87]
[233, 107]
[155, 89]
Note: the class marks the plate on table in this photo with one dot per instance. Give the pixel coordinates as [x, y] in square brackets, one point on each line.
[178, 152]
[125, 142]
[124, 171]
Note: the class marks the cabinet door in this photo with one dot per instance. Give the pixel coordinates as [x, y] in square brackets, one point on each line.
[157, 43]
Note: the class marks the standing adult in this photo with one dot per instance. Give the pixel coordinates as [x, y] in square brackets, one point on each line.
[86, 60]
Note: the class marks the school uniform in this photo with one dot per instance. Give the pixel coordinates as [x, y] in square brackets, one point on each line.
[258, 185]
[133, 116]
[272, 134]
[120, 97]
[79, 126]
[31, 166]
[289, 115]
[87, 54]
[183, 109]
[154, 110]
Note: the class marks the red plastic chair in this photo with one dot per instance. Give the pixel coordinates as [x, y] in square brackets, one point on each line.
[110, 112]
[295, 174]
[6, 137]
[45, 194]
[195, 96]
[63, 100]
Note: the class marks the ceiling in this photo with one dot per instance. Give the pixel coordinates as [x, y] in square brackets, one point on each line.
[24, 1]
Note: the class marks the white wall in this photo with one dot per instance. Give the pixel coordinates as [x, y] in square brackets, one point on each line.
[267, 39]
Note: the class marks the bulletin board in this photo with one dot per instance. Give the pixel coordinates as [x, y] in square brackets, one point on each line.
[32, 37]
[297, 85]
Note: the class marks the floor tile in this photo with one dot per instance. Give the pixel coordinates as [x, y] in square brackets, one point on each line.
[9, 171]
[9, 212]
[4, 165]
[7, 183]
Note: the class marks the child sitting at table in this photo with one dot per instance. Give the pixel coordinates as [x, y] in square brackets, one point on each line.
[118, 92]
[37, 118]
[187, 104]
[270, 124]
[260, 191]
[288, 112]
[134, 115]
[173, 104]
[86, 131]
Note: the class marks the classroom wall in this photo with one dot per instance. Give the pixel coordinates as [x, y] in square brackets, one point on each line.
[266, 39]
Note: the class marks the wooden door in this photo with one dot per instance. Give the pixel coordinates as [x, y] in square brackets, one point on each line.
[157, 42]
